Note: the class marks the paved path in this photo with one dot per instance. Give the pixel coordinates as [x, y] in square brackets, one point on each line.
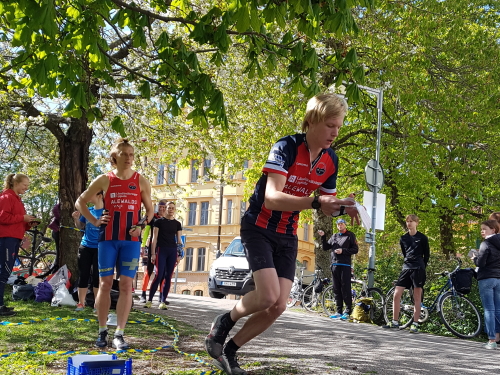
[313, 344]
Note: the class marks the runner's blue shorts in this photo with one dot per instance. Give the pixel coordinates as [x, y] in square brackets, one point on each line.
[125, 255]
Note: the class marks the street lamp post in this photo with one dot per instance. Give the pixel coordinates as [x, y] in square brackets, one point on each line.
[375, 184]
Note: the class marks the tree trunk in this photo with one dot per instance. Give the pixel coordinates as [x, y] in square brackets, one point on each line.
[446, 231]
[73, 165]
[324, 223]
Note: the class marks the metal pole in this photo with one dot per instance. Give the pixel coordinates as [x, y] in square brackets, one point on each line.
[371, 259]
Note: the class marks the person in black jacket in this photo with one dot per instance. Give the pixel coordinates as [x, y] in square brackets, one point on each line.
[488, 277]
[416, 251]
[343, 246]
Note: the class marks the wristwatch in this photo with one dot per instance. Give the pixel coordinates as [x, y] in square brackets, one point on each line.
[315, 203]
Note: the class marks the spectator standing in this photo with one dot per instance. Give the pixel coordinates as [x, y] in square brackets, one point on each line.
[297, 165]
[416, 252]
[87, 252]
[13, 223]
[119, 240]
[488, 276]
[165, 247]
[147, 265]
[343, 246]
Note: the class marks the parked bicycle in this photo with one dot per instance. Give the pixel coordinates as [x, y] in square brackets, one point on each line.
[297, 289]
[38, 259]
[458, 314]
[312, 295]
[359, 290]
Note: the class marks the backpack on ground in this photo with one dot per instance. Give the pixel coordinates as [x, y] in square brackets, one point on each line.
[361, 311]
[462, 280]
[23, 292]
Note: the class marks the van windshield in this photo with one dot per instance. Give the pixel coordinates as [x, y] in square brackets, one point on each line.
[235, 249]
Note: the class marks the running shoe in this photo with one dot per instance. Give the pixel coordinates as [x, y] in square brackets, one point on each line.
[102, 339]
[148, 304]
[142, 299]
[391, 325]
[336, 316]
[79, 307]
[490, 345]
[119, 343]
[216, 338]
[414, 328]
[7, 311]
[345, 317]
[229, 364]
[163, 306]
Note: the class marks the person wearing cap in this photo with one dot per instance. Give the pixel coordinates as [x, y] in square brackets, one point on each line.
[342, 246]
[416, 251]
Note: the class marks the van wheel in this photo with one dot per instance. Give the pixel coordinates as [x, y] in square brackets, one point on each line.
[216, 295]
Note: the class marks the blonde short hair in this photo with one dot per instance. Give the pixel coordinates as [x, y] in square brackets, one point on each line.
[120, 142]
[323, 106]
[413, 217]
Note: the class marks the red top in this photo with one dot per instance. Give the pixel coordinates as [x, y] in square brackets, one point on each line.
[12, 213]
[123, 200]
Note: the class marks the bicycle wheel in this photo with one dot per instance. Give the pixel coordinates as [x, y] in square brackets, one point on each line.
[328, 301]
[459, 315]
[45, 263]
[295, 295]
[406, 308]
[377, 309]
[311, 299]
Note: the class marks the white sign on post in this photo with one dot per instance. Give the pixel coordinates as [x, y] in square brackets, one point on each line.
[380, 213]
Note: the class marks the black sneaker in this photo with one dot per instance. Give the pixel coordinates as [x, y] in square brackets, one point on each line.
[229, 364]
[216, 338]
[391, 325]
[7, 311]
[102, 339]
[119, 343]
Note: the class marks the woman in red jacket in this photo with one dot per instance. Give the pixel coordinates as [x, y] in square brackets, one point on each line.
[13, 223]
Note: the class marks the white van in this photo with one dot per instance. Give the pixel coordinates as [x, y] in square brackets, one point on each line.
[230, 273]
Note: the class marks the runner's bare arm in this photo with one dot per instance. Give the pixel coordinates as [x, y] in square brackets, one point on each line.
[276, 200]
[146, 197]
[101, 183]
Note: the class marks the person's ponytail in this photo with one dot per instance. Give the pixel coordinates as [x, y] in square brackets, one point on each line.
[13, 178]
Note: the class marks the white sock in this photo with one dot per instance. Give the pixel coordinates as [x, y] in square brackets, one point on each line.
[395, 322]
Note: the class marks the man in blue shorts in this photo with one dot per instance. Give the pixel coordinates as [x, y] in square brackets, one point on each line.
[297, 166]
[119, 243]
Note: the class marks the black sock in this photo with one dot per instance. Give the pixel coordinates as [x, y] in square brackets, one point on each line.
[144, 294]
[231, 347]
[227, 321]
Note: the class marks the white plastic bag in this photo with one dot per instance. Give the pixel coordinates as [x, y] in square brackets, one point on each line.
[60, 277]
[62, 297]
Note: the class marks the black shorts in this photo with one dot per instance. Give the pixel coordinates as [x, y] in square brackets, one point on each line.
[414, 277]
[266, 249]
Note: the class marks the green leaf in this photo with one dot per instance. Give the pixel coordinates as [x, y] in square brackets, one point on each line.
[117, 126]
[242, 19]
[145, 90]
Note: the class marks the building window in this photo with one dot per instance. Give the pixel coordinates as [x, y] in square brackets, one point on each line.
[207, 164]
[192, 213]
[198, 293]
[194, 171]
[204, 214]
[243, 208]
[306, 232]
[229, 211]
[305, 263]
[188, 264]
[171, 173]
[201, 259]
[160, 178]
[186, 291]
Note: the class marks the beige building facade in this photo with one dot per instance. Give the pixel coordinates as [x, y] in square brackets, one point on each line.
[210, 215]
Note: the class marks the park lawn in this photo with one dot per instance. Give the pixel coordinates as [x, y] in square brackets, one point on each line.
[66, 334]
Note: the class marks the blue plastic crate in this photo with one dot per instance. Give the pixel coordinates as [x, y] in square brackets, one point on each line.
[113, 367]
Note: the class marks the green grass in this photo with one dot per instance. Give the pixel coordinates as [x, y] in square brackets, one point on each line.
[66, 334]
